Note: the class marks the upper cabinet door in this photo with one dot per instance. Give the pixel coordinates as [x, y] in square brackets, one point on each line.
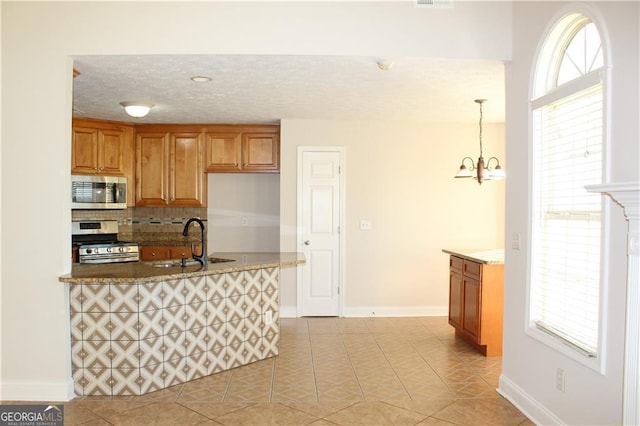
[84, 150]
[110, 151]
[186, 171]
[152, 169]
[260, 152]
[98, 151]
[170, 169]
[242, 149]
[103, 148]
[223, 152]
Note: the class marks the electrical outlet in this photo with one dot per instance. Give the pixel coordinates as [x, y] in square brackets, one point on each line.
[515, 241]
[268, 317]
[560, 380]
[365, 225]
[244, 221]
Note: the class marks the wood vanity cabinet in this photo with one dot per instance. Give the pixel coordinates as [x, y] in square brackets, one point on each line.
[169, 168]
[103, 148]
[475, 303]
[243, 149]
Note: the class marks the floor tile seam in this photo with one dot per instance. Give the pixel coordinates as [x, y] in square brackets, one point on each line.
[395, 372]
[390, 403]
[353, 370]
[251, 404]
[440, 376]
[320, 403]
[98, 416]
[433, 415]
[226, 388]
[273, 378]
[313, 364]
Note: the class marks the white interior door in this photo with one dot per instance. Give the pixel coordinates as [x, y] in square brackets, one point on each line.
[319, 220]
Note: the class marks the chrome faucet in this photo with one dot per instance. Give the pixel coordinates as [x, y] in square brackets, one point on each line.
[202, 257]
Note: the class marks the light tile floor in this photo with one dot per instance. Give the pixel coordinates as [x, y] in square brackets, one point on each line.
[331, 371]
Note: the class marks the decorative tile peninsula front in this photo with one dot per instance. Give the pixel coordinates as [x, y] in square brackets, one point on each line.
[132, 334]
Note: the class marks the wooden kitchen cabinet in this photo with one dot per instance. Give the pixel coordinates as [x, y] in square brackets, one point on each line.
[151, 253]
[169, 168]
[243, 149]
[103, 148]
[456, 292]
[260, 152]
[223, 152]
[476, 303]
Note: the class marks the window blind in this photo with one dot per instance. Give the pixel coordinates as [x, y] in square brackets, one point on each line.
[565, 267]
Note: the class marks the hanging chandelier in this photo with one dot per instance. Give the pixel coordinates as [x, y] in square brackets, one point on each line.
[480, 171]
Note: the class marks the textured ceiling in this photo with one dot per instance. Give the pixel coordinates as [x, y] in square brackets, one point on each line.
[265, 89]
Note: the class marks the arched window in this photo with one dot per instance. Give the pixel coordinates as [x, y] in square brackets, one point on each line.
[567, 136]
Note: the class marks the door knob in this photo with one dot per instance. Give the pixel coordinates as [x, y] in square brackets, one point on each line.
[306, 243]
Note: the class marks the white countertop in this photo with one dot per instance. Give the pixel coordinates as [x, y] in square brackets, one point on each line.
[486, 256]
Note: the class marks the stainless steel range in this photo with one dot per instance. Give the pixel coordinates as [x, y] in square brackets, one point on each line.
[97, 242]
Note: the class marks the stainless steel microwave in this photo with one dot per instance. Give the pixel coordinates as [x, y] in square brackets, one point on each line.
[98, 192]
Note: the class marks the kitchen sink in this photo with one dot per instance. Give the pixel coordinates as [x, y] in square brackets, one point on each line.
[220, 260]
[189, 262]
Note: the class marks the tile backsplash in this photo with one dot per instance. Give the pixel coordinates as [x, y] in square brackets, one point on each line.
[147, 223]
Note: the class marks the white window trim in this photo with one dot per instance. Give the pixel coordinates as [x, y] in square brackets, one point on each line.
[597, 363]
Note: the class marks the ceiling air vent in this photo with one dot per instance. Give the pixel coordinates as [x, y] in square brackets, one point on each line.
[433, 4]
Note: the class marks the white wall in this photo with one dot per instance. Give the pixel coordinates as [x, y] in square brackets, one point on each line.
[399, 175]
[253, 197]
[38, 40]
[529, 367]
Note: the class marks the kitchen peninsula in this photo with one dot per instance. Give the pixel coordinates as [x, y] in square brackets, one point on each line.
[476, 297]
[144, 326]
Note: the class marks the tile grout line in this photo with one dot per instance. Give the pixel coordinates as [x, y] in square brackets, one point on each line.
[313, 363]
[346, 349]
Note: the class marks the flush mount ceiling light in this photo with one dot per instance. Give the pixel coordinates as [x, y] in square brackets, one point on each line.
[200, 78]
[137, 109]
[482, 172]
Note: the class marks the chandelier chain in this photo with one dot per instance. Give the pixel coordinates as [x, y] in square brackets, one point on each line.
[480, 125]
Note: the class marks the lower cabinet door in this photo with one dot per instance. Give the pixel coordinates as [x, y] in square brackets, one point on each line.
[456, 299]
[471, 321]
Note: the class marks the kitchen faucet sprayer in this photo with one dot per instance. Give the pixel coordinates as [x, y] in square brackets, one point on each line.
[202, 257]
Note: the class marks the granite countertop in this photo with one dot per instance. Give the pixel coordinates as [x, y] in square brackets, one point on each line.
[137, 272]
[486, 256]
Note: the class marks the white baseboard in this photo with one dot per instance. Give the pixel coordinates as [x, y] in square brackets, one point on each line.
[36, 391]
[288, 312]
[396, 311]
[530, 407]
[380, 311]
